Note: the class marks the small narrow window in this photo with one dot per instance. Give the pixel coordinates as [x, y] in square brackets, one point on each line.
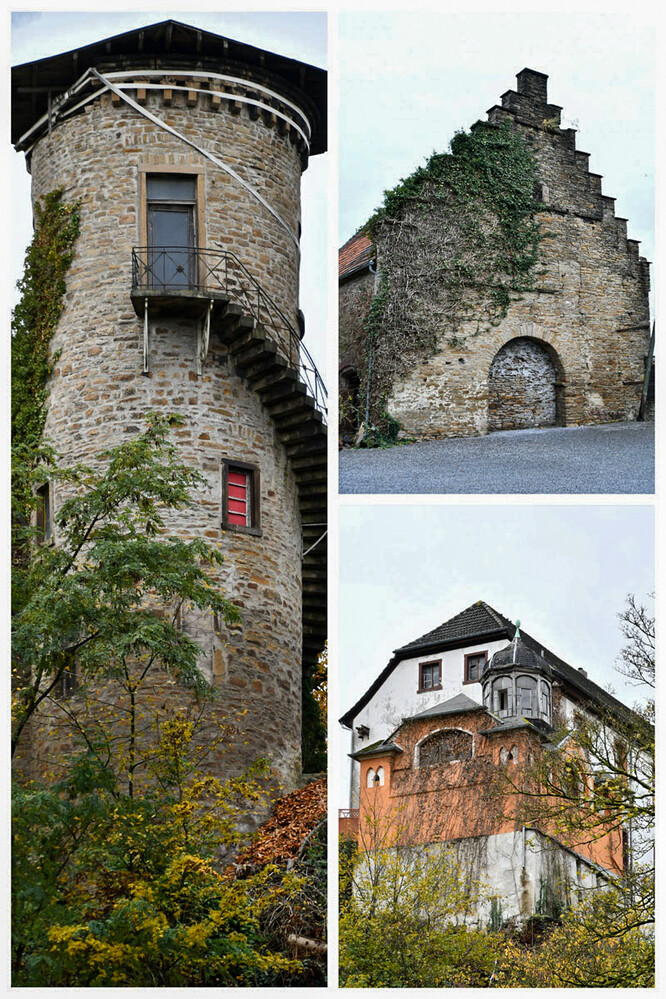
[67, 683]
[474, 666]
[503, 696]
[430, 676]
[526, 693]
[240, 497]
[43, 513]
[370, 778]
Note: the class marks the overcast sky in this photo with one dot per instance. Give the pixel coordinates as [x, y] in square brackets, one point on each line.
[409, 81]
[563, 570]
[297, 35]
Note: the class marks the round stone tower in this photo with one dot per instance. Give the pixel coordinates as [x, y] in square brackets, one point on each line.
[184, 151]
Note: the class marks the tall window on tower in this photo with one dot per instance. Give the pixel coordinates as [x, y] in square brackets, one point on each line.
[171, 201]
[240, 497]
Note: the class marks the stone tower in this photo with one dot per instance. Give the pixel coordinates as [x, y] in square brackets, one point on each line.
[185, 150]
[571, 350]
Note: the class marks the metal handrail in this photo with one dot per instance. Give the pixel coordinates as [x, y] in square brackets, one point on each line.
[177, 268]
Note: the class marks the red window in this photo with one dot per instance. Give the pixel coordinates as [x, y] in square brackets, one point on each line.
[239, 500]
[240, 497]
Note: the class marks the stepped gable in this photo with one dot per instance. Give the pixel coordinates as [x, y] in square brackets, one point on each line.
[577, 191]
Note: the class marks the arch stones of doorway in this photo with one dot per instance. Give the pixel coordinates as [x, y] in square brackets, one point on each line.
[569, 377]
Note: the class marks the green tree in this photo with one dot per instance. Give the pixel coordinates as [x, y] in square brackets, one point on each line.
[407, 915]
[102, 603]
[113, 890]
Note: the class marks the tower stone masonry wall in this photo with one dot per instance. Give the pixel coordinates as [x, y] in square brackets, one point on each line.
[98, 396]
[589, 306]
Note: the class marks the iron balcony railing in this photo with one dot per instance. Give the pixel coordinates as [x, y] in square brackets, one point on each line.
[174, 269]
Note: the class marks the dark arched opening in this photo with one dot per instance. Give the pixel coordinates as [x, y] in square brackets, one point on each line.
[525, 386]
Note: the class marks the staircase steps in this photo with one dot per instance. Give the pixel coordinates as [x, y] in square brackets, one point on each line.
[300, 426]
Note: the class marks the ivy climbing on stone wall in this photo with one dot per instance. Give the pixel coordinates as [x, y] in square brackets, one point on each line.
[456, 241]
[36, 316]
[34, 321]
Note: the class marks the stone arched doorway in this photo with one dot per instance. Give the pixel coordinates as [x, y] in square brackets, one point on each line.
[525, 386]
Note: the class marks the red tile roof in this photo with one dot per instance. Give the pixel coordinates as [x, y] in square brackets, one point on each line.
[356, 254]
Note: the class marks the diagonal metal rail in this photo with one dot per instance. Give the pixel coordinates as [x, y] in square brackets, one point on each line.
[174, 269]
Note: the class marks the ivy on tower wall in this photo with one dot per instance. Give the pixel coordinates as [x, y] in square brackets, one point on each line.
[34, 321]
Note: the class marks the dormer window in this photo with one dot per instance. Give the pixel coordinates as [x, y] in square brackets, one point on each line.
[475, 663]
[430, 676]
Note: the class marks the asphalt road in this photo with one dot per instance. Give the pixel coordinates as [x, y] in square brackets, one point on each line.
[614, 458]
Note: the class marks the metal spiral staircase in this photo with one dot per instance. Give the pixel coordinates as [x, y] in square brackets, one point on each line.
[240, 322]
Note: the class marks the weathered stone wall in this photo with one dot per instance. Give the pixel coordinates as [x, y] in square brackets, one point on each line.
[589, 306]
[355, 296]
[97, 157]
[98, 394]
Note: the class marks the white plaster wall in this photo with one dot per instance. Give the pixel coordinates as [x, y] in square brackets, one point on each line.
[505, 867]
[514, 872]
[398, 697]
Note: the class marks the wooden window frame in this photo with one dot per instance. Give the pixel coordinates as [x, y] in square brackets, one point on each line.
[254, 527]
[431, 662]
[187, 170]
[473, 655]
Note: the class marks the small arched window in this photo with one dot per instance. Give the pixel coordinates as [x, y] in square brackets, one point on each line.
[379, 777]
[445, 747]
[504, 755]
[370, 777]
[513, 755]
[526, 697]
[503, 696]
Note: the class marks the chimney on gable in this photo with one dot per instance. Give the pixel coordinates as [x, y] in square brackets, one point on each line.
[529, 103]
[533, 85]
